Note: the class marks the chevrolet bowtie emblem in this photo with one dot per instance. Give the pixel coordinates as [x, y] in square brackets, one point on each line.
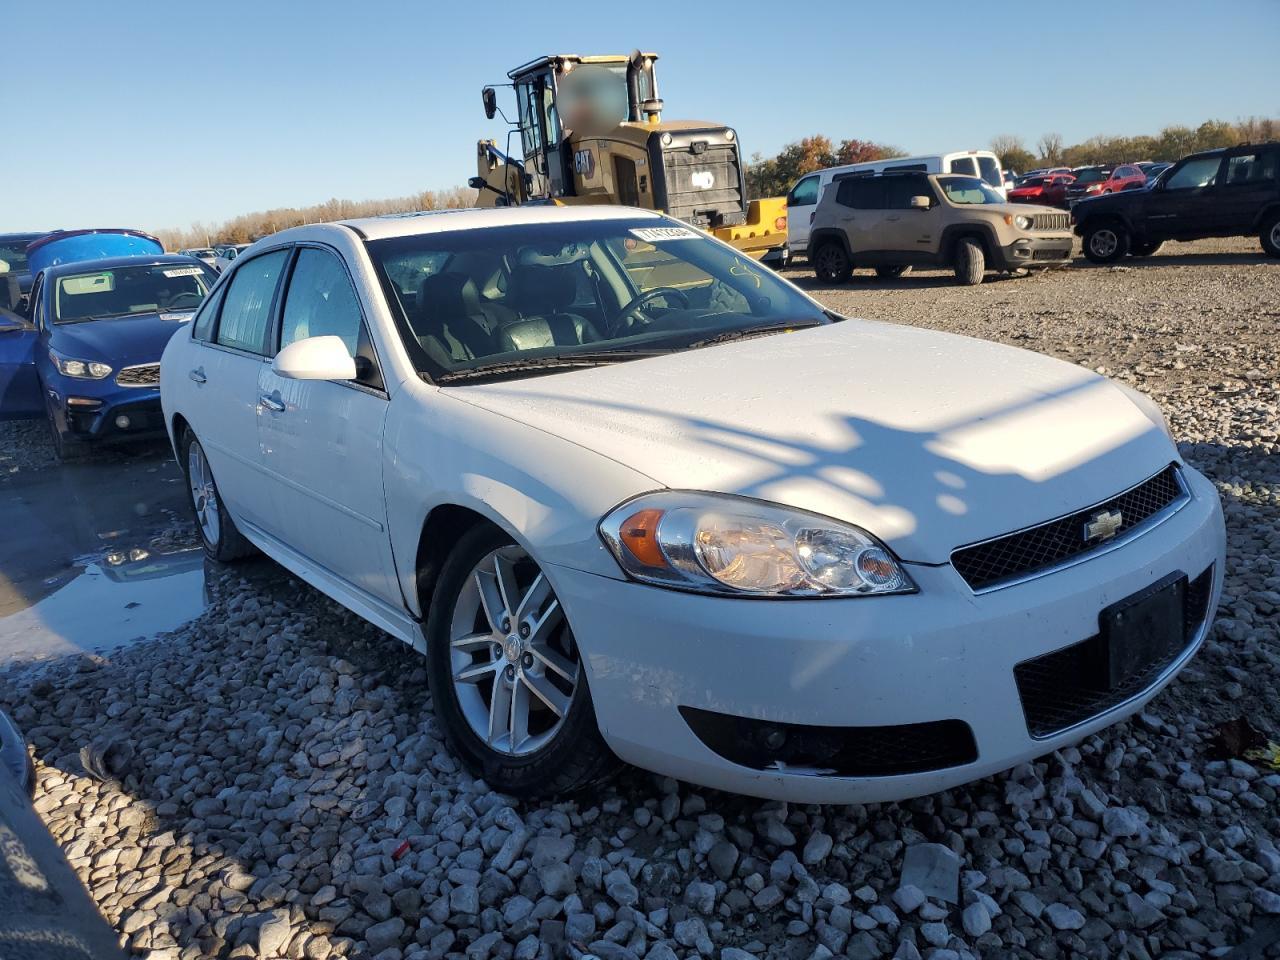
[1103, 525]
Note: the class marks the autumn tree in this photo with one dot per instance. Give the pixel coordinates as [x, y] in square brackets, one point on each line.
[1050, 147]
[772, 176]
[1013, 155]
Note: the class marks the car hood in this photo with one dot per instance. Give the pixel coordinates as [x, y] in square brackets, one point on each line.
[928, 440]
[121, 342]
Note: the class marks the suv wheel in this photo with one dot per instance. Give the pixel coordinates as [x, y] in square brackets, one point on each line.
[892, 273]
[1106, 242]
[970, 263]
[507, 678]
[831, 264]
[1145, 248]
[1270, 235]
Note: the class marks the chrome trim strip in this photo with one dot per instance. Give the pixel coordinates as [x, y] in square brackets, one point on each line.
[1127, 537]
[1165, 675]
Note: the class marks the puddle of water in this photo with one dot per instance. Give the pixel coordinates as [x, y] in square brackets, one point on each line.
[94, 556]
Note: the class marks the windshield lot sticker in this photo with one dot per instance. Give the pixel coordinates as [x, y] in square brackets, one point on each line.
[740, 269]
[659, 234]
[184, 272]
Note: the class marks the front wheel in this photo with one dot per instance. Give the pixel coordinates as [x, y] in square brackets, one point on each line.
[506, 674]
[892, 273]
[970, 263]
[1270, 235]
[831, 264]
[1106, 242]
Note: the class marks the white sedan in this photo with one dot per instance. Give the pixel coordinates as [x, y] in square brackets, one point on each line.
[634, 496]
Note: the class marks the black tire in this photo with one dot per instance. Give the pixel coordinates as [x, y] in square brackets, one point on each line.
[1144, 248]
[68, 450]
[831, 264]
[892, 273]
[1106, 242]
[227, 544]
[1270, 235]
[970, 262]
[573, 759]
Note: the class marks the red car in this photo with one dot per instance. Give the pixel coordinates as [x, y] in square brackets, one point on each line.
[1095, 181]
[1048, 190]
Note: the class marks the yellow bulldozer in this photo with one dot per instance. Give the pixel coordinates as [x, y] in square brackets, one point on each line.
[590, 130]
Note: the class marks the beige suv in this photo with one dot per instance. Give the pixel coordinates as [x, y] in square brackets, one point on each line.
[895, 221]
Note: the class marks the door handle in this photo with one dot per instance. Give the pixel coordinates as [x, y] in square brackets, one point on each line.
[198, 375]
[271, 403]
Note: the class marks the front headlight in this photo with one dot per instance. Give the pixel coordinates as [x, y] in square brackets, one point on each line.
[738, 547]
[79, 369]
[1022, 222]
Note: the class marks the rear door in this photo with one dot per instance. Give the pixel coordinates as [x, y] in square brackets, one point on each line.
[802, 201]
[225, 370]
[322, 439]
[1246, 184]
[19, 388]
[860, 213]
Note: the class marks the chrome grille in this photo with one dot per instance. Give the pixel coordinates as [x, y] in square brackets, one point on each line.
[142, 375]
[987, 565]
[1051, 221]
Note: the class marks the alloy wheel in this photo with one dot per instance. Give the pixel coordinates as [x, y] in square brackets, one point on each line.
[1275, 235]
[204, 495]
[1103, 242]
[512, 658]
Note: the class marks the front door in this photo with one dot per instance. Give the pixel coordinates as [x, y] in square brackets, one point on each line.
[19, 389]
[322, 439]
[540, 134]
[1184, 204]
[1246, 184]
[802, 201]
[907, 230]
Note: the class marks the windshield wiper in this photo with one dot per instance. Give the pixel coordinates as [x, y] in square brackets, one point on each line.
[559, 361]
[749, 332]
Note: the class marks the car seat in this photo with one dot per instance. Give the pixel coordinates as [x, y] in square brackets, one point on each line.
[542, 294]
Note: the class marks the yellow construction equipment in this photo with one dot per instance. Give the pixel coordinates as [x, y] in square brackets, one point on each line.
[590, 130]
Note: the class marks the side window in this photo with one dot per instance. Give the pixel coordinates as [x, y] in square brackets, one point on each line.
[246, 309]
[898, 191]
[1200, 172]
[321, 302]
[1248, 168]
[862, 193]
[964, 165]
[804, 193]
[202, 325]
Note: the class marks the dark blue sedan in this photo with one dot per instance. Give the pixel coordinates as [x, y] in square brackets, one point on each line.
[88, 354]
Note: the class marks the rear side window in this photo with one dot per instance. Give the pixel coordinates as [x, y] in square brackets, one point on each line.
[990, 171]
[963, 165]
[1247, 168]
[804, 193]
[860, 194]
[246, 310]
[202, 326]
[922, 167]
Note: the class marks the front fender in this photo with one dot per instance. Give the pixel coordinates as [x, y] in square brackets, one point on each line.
[548, 493]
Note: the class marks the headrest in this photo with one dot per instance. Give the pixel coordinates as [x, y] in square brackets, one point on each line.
[537, 289]
[447, 296]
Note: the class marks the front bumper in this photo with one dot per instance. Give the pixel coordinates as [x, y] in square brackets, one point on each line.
[941, 656]
[1053, 250]
[105, 415]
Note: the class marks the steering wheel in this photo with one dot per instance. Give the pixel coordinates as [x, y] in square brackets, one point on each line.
[640, 300]
[195, 298]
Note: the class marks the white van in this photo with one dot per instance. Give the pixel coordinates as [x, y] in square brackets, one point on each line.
[802, 201]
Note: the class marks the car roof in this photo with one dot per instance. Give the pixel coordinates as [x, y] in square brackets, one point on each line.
[110, 263]
[23, 235]
[477, 218]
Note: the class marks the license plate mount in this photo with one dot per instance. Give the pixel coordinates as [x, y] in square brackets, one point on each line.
[1142, 629]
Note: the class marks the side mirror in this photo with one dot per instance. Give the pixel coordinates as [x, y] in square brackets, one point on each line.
[315, 358]
[490, 100]
[920, 203]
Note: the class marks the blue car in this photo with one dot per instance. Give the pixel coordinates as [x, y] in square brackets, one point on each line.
[87, 355]
[13, 265]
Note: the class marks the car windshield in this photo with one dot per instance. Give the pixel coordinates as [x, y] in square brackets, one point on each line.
[1034, 182]
[968, 190]
[516, 300]
[13, 256]
[124, 291]
[1092, 175]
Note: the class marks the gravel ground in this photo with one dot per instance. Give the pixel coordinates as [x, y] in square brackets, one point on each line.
[276, 785]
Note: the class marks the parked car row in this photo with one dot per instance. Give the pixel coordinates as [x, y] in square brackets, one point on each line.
[890, 216]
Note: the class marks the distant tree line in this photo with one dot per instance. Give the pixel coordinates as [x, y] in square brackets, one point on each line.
[251, 226]
[773, 176]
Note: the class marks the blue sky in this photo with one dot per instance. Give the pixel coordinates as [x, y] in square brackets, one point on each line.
[160, 114]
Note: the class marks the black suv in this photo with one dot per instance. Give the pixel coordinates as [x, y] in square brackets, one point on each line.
[1233, 192]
